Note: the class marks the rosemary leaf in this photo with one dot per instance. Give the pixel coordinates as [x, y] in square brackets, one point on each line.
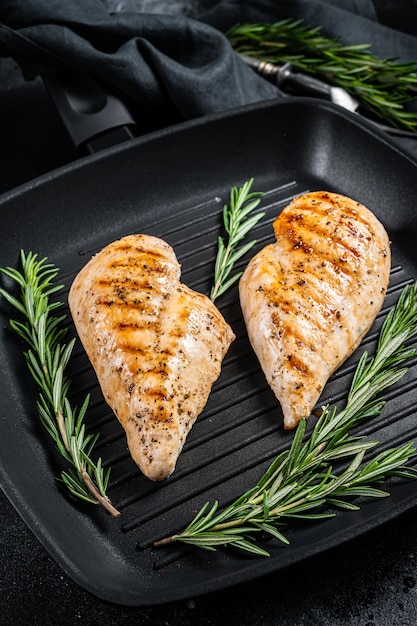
[237, 224]
[47, 359]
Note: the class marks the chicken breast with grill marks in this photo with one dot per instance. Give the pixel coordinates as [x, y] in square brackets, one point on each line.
[309, 298]
[156, 345]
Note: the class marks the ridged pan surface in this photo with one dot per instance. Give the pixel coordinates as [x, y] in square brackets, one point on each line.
[173, 184]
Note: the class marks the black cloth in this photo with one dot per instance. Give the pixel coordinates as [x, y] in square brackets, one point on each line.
[166, 66]
[175, 67]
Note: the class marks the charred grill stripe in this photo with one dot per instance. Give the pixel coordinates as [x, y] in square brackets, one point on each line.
[296, 306]
[133, 348]
[138, 250]
[326, 204]
[289, 331]
[346, 261]
[295, 363]
[116, 303]
[130, 326]
[304, 235]
[161, 369]
[152, 253]
[157, 393]
[125, 284]
[139, 266]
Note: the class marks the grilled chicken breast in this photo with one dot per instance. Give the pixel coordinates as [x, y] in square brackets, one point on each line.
[309, 298]
[156, 345]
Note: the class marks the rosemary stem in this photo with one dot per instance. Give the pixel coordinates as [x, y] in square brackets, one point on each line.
[63, 432]
[165, 541]
[103, 500]
[231, 524]
[279, 510]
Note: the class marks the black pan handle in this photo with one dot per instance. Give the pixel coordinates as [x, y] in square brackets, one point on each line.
[94, 117]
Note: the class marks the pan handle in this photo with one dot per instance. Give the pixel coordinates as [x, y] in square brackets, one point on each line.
[93, 116]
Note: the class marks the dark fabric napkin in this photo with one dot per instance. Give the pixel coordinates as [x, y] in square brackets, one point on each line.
[176, 65]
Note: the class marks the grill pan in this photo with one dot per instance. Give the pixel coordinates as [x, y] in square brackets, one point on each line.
[173, 184]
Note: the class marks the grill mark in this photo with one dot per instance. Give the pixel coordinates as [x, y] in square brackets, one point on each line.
[288, 298]
[299, 341]
[162, 411]
[291, 331]
[158, 393]
[346, 263]
[140, 250]
[122, 304]
[139, 265]
[323, 204]
[312, 227]
[320, 215]
[129, 326]
[296, 364]
[161, 369]
[133, 349]
[125, 284]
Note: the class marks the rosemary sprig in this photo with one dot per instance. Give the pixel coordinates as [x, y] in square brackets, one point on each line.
[237, 224]
[302, 480]
[47, 358]
[383, 86]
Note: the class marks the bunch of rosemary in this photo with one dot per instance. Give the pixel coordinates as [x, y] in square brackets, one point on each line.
[301, 481]
[47, 359]
[382, 86]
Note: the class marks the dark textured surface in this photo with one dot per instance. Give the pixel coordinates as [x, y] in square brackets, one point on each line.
[370, 581]
[367, 582]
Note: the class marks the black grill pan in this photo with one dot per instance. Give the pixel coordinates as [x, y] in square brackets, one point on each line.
[173, 184]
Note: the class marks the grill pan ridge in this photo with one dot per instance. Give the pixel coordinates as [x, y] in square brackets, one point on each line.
[173, 185]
